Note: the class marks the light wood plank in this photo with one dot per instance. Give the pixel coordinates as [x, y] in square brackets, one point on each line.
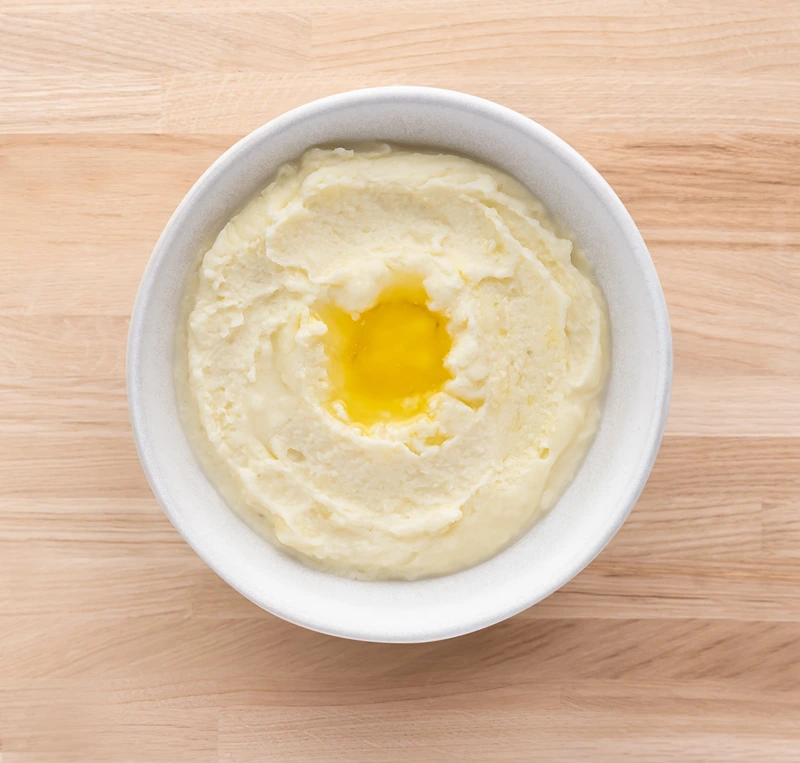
[658, 39]
[234, 102]
[89, 42]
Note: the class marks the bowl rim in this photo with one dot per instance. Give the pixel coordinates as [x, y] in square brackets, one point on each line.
[530, 130]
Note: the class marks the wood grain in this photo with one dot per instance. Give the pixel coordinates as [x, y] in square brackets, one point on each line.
[681, 642]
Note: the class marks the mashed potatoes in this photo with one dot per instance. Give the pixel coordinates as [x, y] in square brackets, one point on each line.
[392, 362]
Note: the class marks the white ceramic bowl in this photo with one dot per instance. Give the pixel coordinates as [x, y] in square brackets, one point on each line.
[614, 472]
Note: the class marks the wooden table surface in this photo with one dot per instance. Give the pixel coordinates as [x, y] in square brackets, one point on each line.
[681, 642]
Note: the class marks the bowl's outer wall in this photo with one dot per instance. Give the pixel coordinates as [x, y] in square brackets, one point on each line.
[614, 471]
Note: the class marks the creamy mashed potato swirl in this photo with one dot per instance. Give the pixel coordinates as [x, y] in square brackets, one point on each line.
[447, 476]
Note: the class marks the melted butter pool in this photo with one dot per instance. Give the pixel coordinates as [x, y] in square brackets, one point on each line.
[387, 362]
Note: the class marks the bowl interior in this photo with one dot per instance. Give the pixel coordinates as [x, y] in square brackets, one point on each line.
[615, 468]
